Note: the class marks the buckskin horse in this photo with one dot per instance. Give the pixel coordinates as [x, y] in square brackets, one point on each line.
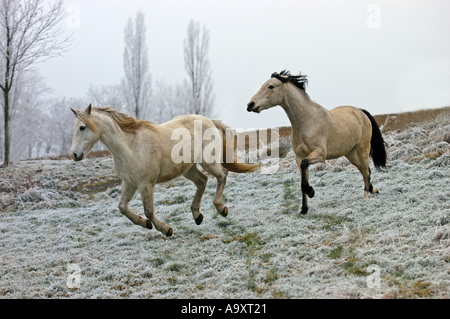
[319, 134]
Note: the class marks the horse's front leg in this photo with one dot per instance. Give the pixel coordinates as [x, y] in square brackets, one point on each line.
[128, 191]
[147, 199]
[307, 190]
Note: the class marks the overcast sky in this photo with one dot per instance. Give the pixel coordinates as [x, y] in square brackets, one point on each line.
[385, 56]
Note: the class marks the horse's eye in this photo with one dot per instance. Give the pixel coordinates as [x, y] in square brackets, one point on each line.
[82, 128]
[271, 87]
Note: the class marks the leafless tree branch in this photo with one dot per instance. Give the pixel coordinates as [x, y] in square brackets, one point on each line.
[30, 33]
[197, 65]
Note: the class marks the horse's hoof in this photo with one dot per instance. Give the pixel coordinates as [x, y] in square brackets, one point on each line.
[169, 233]
[304, 211]
[148, 224]
[224, 213]
[311, 192]
[199, 219]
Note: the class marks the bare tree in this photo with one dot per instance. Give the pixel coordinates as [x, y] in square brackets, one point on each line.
[137, 81]
[30, 32]
[169, 101]
[107, 95]
[29, 116]
[59, 136]
[197, 65]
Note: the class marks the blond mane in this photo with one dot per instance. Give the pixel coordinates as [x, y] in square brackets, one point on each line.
[149, 157]
[127, 123]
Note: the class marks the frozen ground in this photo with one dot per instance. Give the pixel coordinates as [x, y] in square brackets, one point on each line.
[57, 214]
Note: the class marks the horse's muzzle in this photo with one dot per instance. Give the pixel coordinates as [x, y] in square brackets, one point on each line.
[77, 157]
[251, 107]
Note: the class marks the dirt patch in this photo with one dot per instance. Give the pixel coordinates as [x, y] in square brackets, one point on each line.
[400, 121]
[97, 186]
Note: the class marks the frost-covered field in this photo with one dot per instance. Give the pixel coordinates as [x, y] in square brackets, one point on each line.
[57, 214]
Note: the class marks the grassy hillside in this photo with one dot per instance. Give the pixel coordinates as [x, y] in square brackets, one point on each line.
[58, 213]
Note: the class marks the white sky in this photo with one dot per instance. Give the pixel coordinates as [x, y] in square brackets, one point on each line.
[385, 56]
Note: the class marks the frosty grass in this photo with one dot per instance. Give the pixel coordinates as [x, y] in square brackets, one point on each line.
[67, 215]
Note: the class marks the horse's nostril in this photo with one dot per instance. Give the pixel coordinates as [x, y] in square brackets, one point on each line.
[250, 106]
[77, 157]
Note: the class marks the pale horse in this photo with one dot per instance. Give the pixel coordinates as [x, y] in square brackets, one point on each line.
[143, 155]
[319, 134]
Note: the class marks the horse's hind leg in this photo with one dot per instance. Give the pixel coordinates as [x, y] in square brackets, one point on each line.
[220, 174]
[200, 181]
[147, 199]
[371, 188]
[368, 188]
[361, 161]
[128, 191]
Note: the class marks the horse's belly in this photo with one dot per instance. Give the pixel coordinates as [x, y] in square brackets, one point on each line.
[333, 153]
[175, 171]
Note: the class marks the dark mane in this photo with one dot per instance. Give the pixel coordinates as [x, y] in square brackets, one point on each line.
[299, 81]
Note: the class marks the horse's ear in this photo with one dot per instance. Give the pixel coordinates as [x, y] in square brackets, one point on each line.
[74, 111]
[89, 109]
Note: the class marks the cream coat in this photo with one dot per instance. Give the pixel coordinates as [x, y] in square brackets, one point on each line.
[143, 155]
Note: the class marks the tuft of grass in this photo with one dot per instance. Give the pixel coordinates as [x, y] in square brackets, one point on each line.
[223, 224]
[251, 282]
[408, 290]
[290, 194]
[291, 198]
[252, 240]
[353, 268]
[176, 267]
[208, 237]
[330, 222]
[200, 287]
[158, 262]
[180, 199]
[271, 277]
[336, 252]
[277, 294]
[421, 289]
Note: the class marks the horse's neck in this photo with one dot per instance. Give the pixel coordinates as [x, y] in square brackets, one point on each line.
[114, 139]
[300, 109]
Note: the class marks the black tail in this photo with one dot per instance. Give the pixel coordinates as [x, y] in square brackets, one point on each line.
[378, 151]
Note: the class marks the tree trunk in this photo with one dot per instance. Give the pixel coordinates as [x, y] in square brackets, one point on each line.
[6, 120]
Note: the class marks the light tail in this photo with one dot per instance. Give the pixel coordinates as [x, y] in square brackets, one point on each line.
[230, 146]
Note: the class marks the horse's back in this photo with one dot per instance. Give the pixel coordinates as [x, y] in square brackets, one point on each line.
[349, 126]
[349, 116]
[185, 120]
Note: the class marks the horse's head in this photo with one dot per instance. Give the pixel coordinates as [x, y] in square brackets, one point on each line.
[272, 92]
[85, 134]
